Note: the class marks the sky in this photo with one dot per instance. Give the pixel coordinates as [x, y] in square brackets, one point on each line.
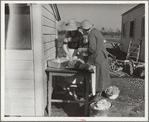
[101, 15]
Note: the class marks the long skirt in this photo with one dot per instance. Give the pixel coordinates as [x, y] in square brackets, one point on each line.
[102, 76]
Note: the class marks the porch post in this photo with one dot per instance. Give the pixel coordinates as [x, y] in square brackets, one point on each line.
[38, 58]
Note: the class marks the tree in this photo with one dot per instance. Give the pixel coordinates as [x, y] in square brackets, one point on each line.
[118, 32]
[110, 32]
[103, 31]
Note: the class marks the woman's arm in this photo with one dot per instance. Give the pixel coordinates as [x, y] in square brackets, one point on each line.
[65, 47]
[92, 48]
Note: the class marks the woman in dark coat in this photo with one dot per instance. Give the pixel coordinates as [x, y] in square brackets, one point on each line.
[98, 56]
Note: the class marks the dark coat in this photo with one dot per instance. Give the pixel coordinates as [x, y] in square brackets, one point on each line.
[74, 41]
[98, 56]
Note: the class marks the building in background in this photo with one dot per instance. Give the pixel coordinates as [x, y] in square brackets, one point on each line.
[133, 28]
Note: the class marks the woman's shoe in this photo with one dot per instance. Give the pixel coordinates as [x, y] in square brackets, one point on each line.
[91, 99]
[97, 97]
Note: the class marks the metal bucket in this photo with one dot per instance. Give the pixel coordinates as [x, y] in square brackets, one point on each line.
[98, 113]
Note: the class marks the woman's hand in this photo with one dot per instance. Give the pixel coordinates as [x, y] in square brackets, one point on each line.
[69, 55]
[79, 49]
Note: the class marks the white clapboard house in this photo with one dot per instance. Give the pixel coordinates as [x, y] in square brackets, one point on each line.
[30, 40]
[133, 28]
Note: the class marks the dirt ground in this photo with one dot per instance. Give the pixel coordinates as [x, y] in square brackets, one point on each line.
[130, 102]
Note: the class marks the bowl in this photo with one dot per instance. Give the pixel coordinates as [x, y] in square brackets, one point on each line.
[100, 110]
[113, 97]
[112, 92]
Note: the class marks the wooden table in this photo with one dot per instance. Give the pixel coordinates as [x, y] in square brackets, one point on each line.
[68, 72]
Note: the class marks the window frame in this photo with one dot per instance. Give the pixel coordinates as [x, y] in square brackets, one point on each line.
[132, 29]
[124, 29]
[143, 27]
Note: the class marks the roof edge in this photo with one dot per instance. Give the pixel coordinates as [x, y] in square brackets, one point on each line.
[132, 9]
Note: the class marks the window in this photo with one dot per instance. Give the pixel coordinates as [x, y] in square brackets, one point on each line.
[132, 24]
[124, 29]
[17, 27]
[143, 27]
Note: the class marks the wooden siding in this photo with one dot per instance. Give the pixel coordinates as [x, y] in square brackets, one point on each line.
[25, 77]
[19, 83]
[13, 65]
[19, 111]
[19, 74]
[49, 45]
[19, 103]
[135, 15]
[16, 55]
[48, 36]
[50, 52]
[48, 12]
[19, 93]
[47, 30]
